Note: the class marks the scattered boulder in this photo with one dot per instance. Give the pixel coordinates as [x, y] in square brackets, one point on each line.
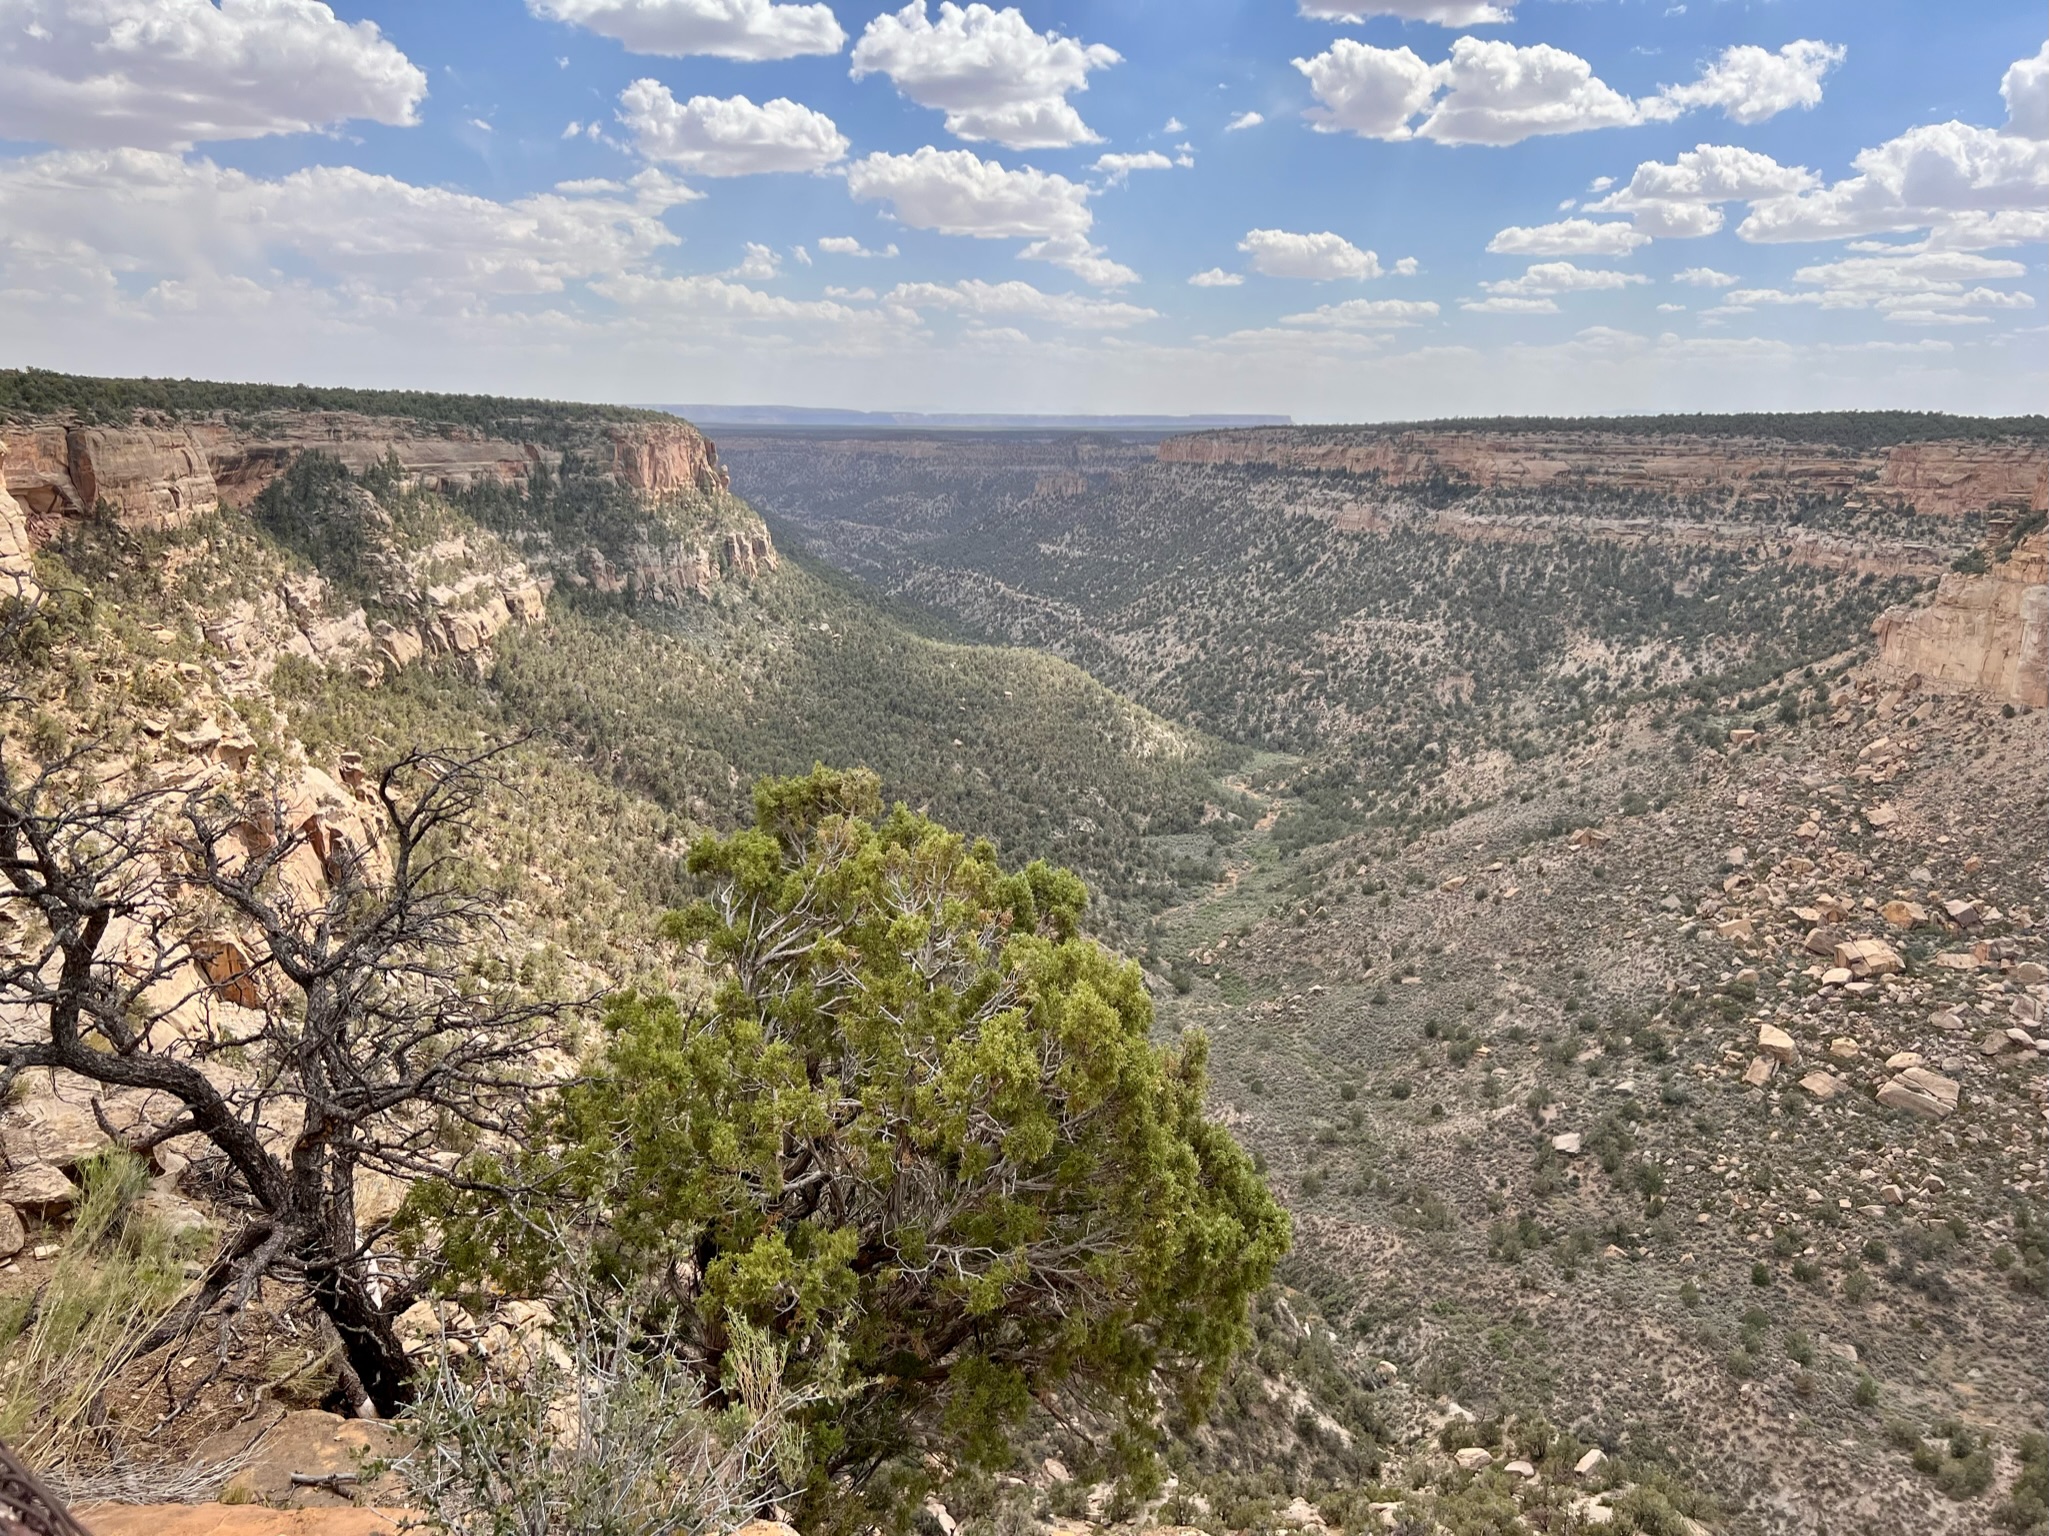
[39, 1191]
[1590, 1464]
[1473, 1458]
[1759, 1072]
[1777, 1044]
[1566, 1143]
[1821, 1085]
[13, 1236]
[1869, 957]
[1921, 1092]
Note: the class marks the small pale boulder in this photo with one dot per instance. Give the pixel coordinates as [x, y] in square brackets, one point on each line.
[1869, 957]
[1590, 1464]
[1921, 1092]
[39, 1191]
[1567, 1143]
[1821, 1085]
[1473, 1458]
[1759, 1072]
[1777, 1044]
[13, 1236]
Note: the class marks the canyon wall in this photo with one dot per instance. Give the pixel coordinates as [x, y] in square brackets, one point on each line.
[1988, 634]
[1939, 478]
[17, 570]
[161, 475]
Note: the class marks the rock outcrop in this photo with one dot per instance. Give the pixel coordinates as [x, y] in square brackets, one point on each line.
[246, 455]
[671, 572]
[158, 475]
[150, 477]
[1945, 478]
[1988, 634]
[661, 458]
[17, 568]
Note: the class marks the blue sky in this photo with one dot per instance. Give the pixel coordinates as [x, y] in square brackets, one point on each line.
[1337, 209]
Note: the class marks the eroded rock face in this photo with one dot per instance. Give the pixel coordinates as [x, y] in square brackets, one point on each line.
[247, 456]
[1988, 634]
[660, 458]
[1952, 478]
[152, 477]
[673, 572]
[1939, 478]
[17, 569]
[160, 475]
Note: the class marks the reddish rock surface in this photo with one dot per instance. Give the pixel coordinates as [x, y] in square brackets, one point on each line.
[1939, 478]
[236, 1520]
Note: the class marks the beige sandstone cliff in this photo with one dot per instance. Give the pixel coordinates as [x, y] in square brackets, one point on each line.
[159, 476]
[1939, 478]
[17, 572]
[1986, 633]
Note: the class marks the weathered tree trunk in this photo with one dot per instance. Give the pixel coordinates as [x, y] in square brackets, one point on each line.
[369, 1341]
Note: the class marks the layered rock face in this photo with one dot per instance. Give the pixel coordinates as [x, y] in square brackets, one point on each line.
[246, 456]
[1952, 478]
[161, 476]
[17, 574]
[672, 572]
[152, 477]
[1988, 633]
[1938, 478]
[663, 457]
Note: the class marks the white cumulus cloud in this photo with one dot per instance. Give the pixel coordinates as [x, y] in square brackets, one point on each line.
[1322, 257]
[167, 74]
[104, 225]
[1705, 277]
[1504, 305]
[1493, 92]
[1243, 121]
[1569, 237]
[1547, 277]
[1749, 84]
[1118, 167]
[956, 192]
[1015, 300]
[1940, 176]
[1367, 314]
[991, 74]
[1444, 13]
[726, 29]
[1216, 277]
[2026, 89]
[1681, 199]
[1087, 262]
[759, 264]
[847, 245]
[727, 136]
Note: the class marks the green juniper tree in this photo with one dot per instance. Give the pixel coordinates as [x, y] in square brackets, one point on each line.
[919, 1134]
